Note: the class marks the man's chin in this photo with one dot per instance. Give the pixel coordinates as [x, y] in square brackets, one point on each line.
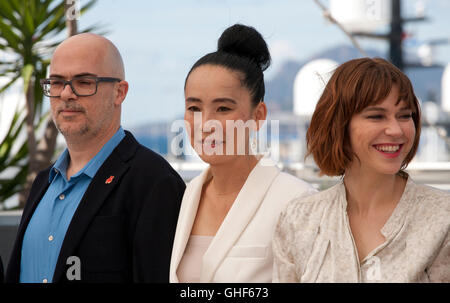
[69, 131]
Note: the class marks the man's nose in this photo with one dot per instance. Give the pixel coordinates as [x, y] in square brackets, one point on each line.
[67, 93]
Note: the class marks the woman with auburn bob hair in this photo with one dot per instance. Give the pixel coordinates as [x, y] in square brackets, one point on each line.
[376, 224]
[229, 212]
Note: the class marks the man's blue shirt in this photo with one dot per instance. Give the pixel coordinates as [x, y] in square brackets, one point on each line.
[48, 226]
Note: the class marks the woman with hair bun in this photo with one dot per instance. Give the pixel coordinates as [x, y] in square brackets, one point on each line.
[229, 211]
[376, 224]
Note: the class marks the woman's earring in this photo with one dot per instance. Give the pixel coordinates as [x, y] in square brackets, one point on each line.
[254, 144]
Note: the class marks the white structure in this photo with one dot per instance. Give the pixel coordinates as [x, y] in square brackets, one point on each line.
[361, 15]
[310, 83]
[426, 54]
[430, 111]
[446, 89]
[431, 148]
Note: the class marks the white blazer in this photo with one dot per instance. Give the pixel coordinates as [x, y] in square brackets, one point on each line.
[241, 250]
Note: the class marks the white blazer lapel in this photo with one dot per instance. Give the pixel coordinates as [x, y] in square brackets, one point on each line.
[240, 214]
[186, 217]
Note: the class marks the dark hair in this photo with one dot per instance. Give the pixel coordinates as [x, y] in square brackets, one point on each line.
[354, 85]
[242, 49]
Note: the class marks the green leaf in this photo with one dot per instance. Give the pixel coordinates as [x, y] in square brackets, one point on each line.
[27, 73]
[6, 33]
[11, 136]
[55, 17]
[7, 13]
[28, 18]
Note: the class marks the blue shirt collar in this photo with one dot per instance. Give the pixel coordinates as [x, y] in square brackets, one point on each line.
[91, 168]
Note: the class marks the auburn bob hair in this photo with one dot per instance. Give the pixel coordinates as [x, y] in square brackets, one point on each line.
[354, 85]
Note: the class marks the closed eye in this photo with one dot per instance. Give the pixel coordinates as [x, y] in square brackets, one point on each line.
[56, 82]
[375, 117]
[223, 109]
[193, 109]
[406, 116]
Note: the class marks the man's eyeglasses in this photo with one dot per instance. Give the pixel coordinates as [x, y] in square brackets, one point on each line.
[82, 86]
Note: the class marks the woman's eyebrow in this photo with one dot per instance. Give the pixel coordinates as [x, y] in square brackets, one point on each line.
[382, 109]
[192, 99]
[217, 100]
[226, 100]
[374, 108]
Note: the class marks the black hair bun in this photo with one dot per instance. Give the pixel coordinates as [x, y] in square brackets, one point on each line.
[245, 41]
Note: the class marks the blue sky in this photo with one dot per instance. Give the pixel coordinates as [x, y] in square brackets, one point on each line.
[160, 40]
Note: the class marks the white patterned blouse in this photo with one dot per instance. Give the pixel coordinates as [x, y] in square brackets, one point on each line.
[313, 241]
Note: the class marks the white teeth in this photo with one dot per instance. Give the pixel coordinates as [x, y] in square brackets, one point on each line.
[388, 148]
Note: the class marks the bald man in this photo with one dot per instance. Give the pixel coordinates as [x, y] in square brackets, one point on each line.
[106, 211]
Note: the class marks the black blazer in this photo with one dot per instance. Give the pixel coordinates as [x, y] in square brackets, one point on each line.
[123, 228]
[1, 270]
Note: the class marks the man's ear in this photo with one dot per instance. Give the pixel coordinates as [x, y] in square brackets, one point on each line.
[121, 92]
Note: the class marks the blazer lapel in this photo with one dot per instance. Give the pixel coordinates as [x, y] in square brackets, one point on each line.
[33, 201]
[96, 194]
[240, 214]
[41, 185]
[188, 212]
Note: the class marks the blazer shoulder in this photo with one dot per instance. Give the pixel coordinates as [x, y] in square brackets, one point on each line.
[194, 184]
[146, 161]
[151, 166]
[197, 180]
[39, 182]
[43, 175]
[149, 157]
[129, 149]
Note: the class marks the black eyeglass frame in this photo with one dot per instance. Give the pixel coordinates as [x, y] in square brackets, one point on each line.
[69, 82]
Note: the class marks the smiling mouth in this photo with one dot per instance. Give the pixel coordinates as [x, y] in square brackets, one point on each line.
[210, 143]
[389, 150]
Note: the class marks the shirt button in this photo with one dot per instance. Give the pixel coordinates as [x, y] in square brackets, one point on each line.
[61, 197]
[50, 238]
[44, 281]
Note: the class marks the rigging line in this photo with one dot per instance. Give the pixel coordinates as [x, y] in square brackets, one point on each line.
[327, 15]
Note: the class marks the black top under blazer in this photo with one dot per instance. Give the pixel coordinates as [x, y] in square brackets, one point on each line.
[122, 231]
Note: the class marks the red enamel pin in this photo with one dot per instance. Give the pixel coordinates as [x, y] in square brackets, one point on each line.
[109, 180]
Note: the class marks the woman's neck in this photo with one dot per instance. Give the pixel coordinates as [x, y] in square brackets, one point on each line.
[371, 192]
[229, 177]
